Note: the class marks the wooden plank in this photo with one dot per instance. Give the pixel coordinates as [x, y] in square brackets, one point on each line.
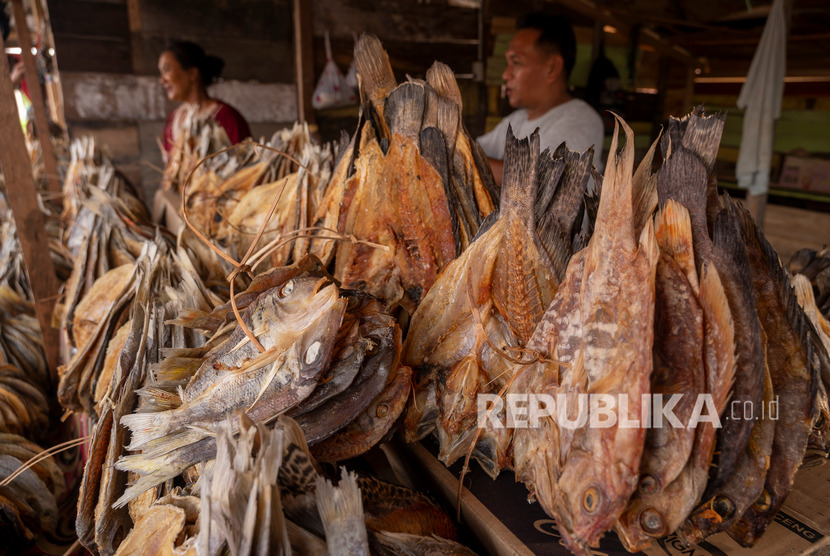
[134, 21]
[420, 22]
[303, 59]
[647, 36]
[50, 163]
[489, 531]
[20, 187]
[89, 18]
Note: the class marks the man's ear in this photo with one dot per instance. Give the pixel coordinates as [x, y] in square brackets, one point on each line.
[555, 66]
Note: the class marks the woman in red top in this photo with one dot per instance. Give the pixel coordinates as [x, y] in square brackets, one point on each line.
[186, 71]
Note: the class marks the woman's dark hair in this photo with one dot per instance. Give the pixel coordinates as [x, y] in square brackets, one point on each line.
[556, 35]
[191, 55]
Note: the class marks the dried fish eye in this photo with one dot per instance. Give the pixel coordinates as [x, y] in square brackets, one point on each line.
[352, 303]
[371, 347]
[590, 499]
[286, 289]
[382, 410]
[647, 484]
[652, 522]
[723, 506]
[312, 353]
[819, 422]
[763, 502]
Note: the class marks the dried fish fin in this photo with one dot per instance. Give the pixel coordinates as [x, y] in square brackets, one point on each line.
[702, 135]
[434, 150]
[674, 234]
[376, 77]
[341, 509]
[520, 183]
[403, 110]
[719, 320]
[644, 187]
[562, 217]
[442, 79]
[683, 178]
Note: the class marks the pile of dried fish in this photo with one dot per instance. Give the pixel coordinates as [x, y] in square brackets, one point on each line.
[677, 302]
[491, 298]
[326, 356]
[196, 136]
[411, 187]
[265, 494]
[162, 286]
[108, 227]
[28, 499]
[815, 266]
[228, 197]
[21, 343]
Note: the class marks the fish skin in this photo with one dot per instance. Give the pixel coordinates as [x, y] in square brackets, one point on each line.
[170, 445]
[742, 489]
[237, 388]
[539, 452]
[492, 295]
[384, 337]
[368, 428]
[698, 137]
[678, 369]
[677, 352]
[415, 227]
[112, 523]
[346, 363]
[730, 258]
[283, 320]
[91, 481]
[686, 177]
[794, 376]
[28, 490]
[651, 515]
[601, 465]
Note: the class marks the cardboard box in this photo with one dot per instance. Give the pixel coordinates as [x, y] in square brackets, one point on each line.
[498, 513]
[805, 174]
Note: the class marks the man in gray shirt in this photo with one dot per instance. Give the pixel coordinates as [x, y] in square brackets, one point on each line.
[540, 58]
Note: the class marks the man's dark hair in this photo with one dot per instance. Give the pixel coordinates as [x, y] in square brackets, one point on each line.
[556, 36]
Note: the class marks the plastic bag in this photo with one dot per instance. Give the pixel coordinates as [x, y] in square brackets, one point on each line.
[331, 89]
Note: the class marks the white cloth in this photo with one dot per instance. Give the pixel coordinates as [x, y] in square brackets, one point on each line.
[574, 122]
[761, 97]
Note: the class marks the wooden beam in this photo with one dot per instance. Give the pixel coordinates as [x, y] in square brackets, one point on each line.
[647, 36]
[134, 21]
[304, 59]
[50, 163]
[20, 188]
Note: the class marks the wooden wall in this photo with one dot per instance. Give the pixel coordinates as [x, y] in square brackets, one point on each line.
[108, 50]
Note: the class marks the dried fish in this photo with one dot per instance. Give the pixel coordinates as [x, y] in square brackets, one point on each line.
[297, 323]
[795, 377]
[487, 300]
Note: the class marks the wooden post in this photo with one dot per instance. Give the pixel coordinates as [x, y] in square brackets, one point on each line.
[41, 121]
[22, 193]
[304, 59]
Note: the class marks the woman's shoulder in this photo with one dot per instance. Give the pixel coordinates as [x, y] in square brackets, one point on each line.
[232, 121]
